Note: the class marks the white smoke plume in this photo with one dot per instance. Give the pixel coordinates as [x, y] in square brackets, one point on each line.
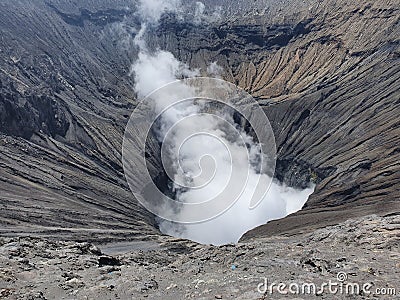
[202, 16]
[229, 227]
[153, 70]
[151, 11]
[217, 14]
[215, 70]
[199, 12]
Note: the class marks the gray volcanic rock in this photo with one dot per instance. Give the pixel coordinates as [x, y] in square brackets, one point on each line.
[65, 98]
[365, 249]
[327, 75]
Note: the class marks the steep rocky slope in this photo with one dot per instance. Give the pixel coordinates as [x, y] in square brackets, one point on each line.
[64, 102]
[327, 74]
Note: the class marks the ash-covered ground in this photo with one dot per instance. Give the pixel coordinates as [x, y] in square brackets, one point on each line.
[367, 250]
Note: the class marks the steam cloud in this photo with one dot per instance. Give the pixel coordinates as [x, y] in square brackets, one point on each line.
[151, 10]
[201, 16]
[153, 70]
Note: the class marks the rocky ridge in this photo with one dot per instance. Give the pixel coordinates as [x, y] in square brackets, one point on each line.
[365, 249]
